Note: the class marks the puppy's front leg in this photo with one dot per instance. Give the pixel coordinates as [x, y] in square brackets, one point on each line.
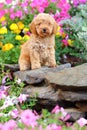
[51, 59]
[34, 59]
[24, 62]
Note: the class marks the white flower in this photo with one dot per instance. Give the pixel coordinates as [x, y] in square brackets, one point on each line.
[18, 81]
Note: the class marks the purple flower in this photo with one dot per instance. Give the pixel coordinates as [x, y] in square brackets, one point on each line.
[3, 91]
[4, 79]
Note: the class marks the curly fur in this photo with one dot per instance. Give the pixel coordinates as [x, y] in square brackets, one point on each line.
[39, 50]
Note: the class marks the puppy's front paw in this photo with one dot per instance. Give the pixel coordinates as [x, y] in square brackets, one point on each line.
[23, 68]
[35, 66]
[53, 65]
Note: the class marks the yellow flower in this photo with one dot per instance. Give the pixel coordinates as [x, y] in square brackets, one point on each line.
[13, 26]
[63, 35]
[70, 42]
[26, 30]
[58, 28]
[17, 31]
[18, 37]
[2, 19]
[20, 25]
[58, 33]
[26, 37]
[3, 30]
[7, 47]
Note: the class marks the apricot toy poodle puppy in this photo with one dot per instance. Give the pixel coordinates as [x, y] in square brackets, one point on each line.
[39, 50]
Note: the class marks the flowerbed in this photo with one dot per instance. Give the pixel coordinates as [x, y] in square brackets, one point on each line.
[16, 111]
[15, 17]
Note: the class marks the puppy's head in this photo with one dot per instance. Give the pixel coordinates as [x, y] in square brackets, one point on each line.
[43, 25]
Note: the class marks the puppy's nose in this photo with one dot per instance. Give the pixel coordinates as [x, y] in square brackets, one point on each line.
[44, 30]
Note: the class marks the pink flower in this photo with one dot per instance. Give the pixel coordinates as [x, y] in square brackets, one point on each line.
[1, 125]
[22, 98]
[77, 2]
[67, 117]
[11, 10]
[2, 13]
[53, 0]
[24, 4]
[40, 5]
[8, 1]
[41, 9]
[1, 5]
[65, 42]
[10, 125]
[14, 113]
[65, 7]
[18, 13]
[63, 111]
[12, 16]
[82, 122]
[56, 109]
[53, 127]
[28, 118]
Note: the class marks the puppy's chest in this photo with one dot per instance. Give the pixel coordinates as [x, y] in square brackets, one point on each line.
[42, 49]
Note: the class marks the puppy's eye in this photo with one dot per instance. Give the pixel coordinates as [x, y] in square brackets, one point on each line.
[39, 23]
[49, 24]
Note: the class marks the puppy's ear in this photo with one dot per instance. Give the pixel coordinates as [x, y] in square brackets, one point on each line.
[32, 27]
[55, 27]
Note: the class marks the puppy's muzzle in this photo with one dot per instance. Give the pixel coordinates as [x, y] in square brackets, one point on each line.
[44, 30]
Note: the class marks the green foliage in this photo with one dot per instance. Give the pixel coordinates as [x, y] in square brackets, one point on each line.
[10, 56]
[27, 20]
[49, 118]
[30, 103]
[51, 8]
[77, 50]
[76, 28]
[9, 38]
[5, 119]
